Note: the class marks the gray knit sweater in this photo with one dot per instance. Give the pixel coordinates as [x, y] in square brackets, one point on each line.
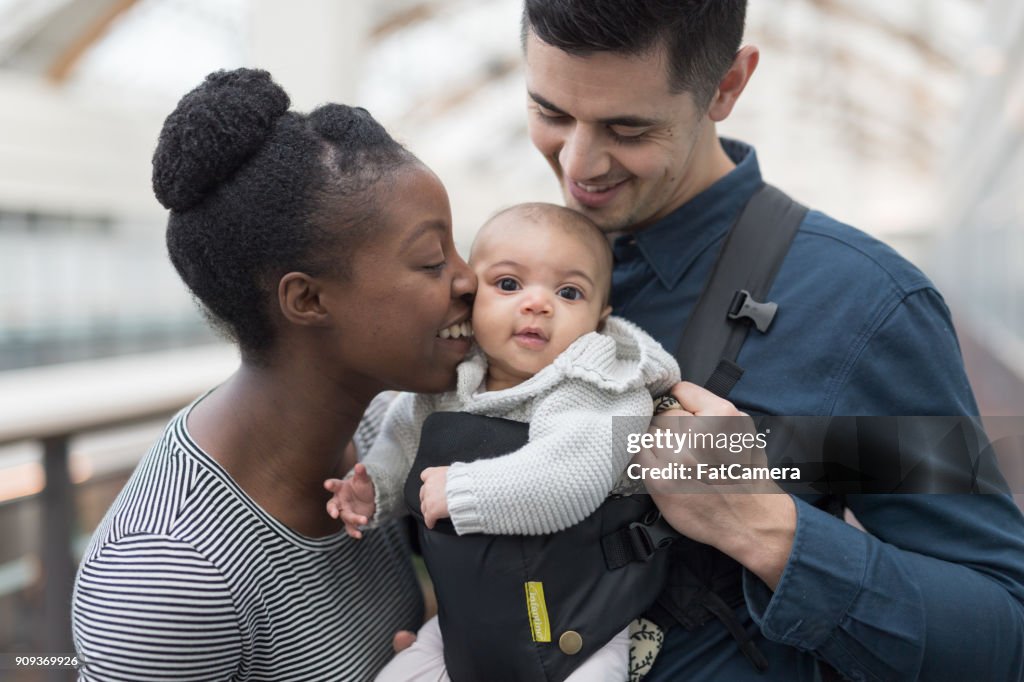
[573, 457]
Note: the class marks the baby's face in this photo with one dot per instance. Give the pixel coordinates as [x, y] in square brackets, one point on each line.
[540, 288]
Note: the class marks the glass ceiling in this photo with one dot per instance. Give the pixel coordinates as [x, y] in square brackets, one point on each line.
[852, 107]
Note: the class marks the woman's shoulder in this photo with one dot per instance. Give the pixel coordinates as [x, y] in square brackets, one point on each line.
[162, 491]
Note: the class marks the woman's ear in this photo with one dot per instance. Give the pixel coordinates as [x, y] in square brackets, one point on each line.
[299, 298]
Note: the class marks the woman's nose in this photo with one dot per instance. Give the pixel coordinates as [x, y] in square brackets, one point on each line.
[463, 279]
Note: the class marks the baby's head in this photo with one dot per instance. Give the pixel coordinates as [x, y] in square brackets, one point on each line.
[544, 280]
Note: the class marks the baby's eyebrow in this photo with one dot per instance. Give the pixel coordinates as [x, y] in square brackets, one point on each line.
[564, 274]
[580, 274]
[503, 264]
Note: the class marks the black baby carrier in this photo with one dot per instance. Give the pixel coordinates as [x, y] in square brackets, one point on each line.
[535, 607]
[518, 607]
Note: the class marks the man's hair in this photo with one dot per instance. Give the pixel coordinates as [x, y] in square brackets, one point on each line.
[701, 37]
[256, 190]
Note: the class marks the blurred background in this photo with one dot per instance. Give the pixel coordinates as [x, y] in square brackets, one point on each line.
[904, 119]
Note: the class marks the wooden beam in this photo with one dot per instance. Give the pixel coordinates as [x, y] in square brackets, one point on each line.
[846, 11]
[65, 62]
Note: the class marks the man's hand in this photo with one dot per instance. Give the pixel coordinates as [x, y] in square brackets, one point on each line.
[353, 500]
[433, 500]
[751, 521]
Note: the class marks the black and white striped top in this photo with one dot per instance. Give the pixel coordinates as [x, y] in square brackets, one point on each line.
[186, 578]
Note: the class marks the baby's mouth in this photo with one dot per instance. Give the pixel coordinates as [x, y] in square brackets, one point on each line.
[457, 331]
[532, 334]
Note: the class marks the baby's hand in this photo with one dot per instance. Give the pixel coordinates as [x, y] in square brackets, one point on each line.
[433, 501]
[353, 500]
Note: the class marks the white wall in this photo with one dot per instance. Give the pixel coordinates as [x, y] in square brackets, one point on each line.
[66, 154]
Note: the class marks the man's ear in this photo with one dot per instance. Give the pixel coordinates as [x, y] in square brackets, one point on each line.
[733, 82]
[298, 296]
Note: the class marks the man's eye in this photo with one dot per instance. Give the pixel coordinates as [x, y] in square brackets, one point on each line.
[627, 135]
[550, 116]
[436, 267]
[507, 284]
[570, 293]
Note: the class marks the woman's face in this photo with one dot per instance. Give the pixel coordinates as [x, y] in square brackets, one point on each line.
[407, 285]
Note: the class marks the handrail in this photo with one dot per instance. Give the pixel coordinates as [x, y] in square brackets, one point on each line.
[52, 404]
[58, 400]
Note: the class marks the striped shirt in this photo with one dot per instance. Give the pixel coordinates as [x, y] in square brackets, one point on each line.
[186, 578]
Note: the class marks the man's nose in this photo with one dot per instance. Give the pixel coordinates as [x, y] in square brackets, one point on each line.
[583, 156]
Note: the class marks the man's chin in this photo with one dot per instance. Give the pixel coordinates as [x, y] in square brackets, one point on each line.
[606, 218]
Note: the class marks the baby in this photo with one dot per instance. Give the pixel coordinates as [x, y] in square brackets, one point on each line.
[548, 354]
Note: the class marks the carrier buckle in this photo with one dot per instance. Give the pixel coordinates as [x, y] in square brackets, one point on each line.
[744, 305]
[648, 535]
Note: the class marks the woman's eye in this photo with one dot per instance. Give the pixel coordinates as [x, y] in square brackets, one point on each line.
[436, 267]
[507, 284]
[570, 293]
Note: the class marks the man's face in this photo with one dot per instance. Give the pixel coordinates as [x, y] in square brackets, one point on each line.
[623, 146]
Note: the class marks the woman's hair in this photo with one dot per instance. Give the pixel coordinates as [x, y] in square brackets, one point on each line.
[256, 191]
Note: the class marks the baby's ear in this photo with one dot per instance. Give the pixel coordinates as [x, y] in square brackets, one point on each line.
[604, 316]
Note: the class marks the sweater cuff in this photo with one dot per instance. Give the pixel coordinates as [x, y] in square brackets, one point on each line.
[385, 499]
[463, 505]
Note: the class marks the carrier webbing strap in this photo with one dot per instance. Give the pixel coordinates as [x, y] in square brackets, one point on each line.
[732, 298]
[638, 541]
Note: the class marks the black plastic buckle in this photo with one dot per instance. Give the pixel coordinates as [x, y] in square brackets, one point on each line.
[744, 305]
[647, 537]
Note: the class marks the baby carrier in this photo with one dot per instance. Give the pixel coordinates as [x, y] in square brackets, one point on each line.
[535, 607]
[518, 607]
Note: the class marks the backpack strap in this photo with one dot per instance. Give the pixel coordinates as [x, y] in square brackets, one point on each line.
[732, 299]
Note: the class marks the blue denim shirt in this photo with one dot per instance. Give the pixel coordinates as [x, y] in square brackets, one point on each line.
[936, 590]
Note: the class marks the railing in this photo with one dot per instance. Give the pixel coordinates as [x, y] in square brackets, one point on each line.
[53, 404]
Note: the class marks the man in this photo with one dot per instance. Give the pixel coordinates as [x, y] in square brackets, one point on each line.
[623, 98]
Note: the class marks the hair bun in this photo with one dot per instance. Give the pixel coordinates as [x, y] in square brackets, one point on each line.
[214, 129]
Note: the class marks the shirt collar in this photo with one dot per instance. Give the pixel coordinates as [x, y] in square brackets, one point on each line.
[672, 244]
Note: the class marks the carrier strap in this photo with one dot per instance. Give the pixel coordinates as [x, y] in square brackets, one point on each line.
[731, 302]
[638, 541]
[733, 298]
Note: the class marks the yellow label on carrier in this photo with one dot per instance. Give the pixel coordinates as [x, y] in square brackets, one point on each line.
[537, 609]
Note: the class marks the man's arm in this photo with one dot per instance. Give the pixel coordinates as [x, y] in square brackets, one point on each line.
[149, 606]
[934, 589]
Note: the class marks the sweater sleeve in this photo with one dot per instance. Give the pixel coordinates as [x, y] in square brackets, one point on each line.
[148, 606]
[391, 456]
[575, 454]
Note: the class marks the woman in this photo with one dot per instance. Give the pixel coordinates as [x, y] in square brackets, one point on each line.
[324, 249]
